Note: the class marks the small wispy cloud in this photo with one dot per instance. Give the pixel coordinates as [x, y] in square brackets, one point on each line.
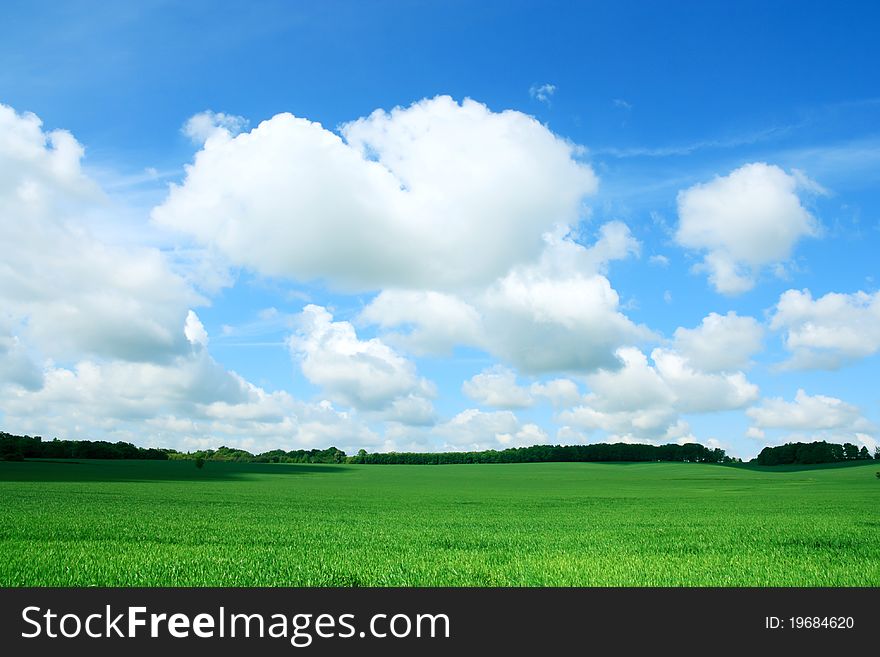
[112, 181]
[622, 104]
[268, 322]
[543, 92]
[659, 260]
[774, 132]
[204, 124]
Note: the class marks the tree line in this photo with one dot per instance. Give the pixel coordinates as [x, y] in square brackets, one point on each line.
[17, 448]
[816, 452]
[21, 447]
[689, 452]
[329, 455]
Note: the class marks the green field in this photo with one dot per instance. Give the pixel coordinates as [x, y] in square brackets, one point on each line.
[166, 523]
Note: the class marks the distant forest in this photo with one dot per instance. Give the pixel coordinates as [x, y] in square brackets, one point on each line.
[818, 452]
[689, 452]
[18, 448]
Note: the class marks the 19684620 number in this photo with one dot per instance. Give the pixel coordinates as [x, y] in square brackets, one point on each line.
[821, 622]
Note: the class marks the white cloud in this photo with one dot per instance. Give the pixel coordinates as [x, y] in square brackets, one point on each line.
[830, 331]
[659, 260]
[38, 167]
[497, 387]
[756, 433]
[641, 401]
[475, 430]
[204, 125]
[433, 196]
[743, 222]
[559, 314]
[720, 342]
[194, 330]
[808, 413]
[400, 437]
[556, 314]
[439, 321]
[702, 392]
[615, 242]
[365, 374]
[528, 435]
[568, 436]
[559, 392]
[633, 386]
[94, 393]
[545, 325]
[654, 425]
[814, 417]
[412, 410]
[542, 92]
[191, 402]
[322, 425]
[69, 292]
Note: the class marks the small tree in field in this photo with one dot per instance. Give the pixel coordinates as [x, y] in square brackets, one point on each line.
[200, 462]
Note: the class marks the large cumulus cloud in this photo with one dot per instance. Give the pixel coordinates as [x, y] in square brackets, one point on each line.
[435, 195]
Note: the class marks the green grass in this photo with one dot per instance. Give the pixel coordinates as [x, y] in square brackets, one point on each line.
[141, 523]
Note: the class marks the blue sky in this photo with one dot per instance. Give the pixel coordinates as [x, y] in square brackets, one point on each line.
[615, 221]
